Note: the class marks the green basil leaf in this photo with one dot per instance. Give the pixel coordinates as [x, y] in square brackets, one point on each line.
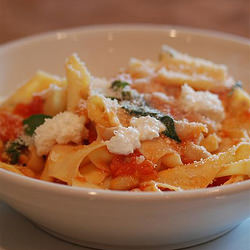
[235, 86]
[34, 121]
[138, 110]
[170, 128]
[168, 121]
[118, 85]
[13, 150]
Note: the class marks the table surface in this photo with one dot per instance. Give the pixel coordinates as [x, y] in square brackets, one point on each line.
[17, 233]
[21, 18]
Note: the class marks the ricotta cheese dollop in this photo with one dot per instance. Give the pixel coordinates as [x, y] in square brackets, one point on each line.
[147, 126]
[124, 141]
[61, 129]
[202, 102]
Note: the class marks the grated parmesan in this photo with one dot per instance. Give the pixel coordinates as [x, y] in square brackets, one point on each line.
[202, 102]
[140, 159]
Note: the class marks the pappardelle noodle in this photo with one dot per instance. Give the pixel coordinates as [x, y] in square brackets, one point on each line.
[176, 124]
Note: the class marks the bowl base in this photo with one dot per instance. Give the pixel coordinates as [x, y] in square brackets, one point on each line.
[161, 247]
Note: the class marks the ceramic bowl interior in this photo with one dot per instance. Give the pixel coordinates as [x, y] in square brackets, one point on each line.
[106, 49]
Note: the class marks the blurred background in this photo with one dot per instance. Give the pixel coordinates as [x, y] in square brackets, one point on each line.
[19, 18]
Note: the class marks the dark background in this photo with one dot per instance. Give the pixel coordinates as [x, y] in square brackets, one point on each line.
[19, 18]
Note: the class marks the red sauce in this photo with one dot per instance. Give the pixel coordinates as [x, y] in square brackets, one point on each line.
[10, 126]
[219, 181]
[247, 114]
[128, 166]
[27, 109]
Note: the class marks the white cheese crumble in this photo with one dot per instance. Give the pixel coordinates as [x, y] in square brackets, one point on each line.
[140, 159]
[147, 126]
[101, 86]
[109, 103]
[25, 139]
[202, 102]
[142, 68]
[63, 128]
[125, 78]
[125, 141]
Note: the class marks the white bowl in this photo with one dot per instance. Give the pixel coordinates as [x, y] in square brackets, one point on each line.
[112, 218]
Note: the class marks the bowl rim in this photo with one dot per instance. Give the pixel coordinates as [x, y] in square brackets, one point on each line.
[114, 194]
[126, 27]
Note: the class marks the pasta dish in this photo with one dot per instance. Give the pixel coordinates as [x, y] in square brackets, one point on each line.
[176, 124]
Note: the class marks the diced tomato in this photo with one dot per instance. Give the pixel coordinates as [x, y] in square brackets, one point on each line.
[219, 181]
[10, 126]
[27, 109]
[248, 114]
[129, 166]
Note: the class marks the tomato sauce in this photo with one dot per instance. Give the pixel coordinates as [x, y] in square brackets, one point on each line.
[247, 115]
[10, 126]
[219, 181]
[27, 109]
[128, 166]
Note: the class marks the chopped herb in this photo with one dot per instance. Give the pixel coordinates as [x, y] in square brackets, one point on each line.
[135, 104]
[126, 95]
[118, 85]
[34, 121]
[13, 150]
[170, 128]
[139, 110]
[238, 85]
[168, 121]
[235, 86]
